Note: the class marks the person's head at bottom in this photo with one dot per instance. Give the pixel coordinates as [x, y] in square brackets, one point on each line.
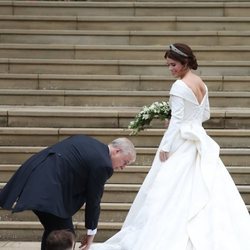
[60, 240]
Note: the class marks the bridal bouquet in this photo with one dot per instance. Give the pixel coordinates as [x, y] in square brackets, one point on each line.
[159, 110]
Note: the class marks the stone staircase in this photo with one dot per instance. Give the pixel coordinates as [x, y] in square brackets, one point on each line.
[70, 67]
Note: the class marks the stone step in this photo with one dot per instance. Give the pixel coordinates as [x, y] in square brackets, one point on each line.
[110, 212]
[117, 52]
[136, 174]
[108, 117]
[116, 67]
[128, 8]
[226, 138]
[18, 154]
[100, 37]
[109, 98]
[116, 193]
[229, 156]
[32, 231]
[170, 23]
[125, 193]
[114, 82]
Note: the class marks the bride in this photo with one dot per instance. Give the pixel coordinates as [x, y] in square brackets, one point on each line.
[188, 200]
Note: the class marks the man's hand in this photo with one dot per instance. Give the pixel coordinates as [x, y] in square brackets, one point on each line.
[86, 241]
[163, 155]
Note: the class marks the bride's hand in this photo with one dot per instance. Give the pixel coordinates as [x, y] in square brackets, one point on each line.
[163, 155]
[166, 123]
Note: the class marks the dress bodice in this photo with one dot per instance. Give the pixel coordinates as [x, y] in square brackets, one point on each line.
[192, 109]
[185, 109]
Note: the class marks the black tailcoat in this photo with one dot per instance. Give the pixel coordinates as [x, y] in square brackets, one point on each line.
[60, 179]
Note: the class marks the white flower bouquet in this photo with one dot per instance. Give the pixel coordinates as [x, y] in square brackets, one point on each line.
[158, 110]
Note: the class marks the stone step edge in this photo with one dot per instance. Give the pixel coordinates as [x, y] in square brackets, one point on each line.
[131, 82]
[126, 32]
[116, 77]
[110, 206]
[116, 93]
[90, 111]
[136, 187]
[197, 48]
[84, 18]
[134, 5]
[27, 225]
[110, 131]
[135, 169]
[56, 92]
[116, 206]
[41, 76]
[38, 76]
[128, 169]
[37, 226]
[114, 62]
[140, 150]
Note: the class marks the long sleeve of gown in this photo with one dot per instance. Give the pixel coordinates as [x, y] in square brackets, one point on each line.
[177, 112]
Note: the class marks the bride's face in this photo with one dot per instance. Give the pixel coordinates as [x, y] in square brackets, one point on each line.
[177, 69]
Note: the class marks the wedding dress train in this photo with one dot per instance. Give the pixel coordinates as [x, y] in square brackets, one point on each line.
[190, 201]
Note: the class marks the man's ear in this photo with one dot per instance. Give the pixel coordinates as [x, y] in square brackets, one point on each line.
[114, 151]
[117, 150]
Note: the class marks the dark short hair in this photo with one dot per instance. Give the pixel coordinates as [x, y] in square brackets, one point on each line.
[60, 240]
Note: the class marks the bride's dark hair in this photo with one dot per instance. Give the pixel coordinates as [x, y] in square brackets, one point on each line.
[182, 53]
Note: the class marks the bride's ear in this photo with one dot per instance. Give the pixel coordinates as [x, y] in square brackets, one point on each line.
[186, 65]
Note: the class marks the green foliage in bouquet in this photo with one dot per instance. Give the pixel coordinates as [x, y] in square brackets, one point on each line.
[158, 110]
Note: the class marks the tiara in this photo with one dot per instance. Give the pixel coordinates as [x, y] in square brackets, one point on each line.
[173, 48]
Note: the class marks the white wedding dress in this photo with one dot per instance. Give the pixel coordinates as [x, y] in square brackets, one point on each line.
[190, 201]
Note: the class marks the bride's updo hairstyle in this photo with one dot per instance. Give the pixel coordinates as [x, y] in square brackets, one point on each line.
[182, 53]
